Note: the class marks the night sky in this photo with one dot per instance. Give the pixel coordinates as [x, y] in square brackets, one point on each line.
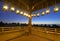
[9, 17]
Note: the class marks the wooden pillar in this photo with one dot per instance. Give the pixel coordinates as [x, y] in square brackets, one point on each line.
[2, 29]
[30, 24]
[12, 29]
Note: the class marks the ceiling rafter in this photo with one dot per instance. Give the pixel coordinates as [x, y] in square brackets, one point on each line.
[32, 5]
[39, 3]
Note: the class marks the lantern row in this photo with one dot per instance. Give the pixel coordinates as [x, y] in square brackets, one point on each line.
[56, 9]
[5, 8]
[12, 9]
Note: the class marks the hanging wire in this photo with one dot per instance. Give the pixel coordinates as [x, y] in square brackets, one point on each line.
[56, 8]
[47, 10]
[5, 7]
[43, 11]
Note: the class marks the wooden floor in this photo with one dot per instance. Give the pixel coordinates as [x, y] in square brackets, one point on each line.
[35, 35]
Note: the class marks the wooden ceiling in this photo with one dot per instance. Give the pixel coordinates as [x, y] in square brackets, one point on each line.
[32, 5]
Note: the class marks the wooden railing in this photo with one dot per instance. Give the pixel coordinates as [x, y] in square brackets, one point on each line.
[9, 29]
[47, 30]
[40, 29]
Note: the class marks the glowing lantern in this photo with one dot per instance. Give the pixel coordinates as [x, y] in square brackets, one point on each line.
[24, 13]
[21, 12]
[38, 14]
[47, 11]
[34, 15]
[17, 11]
[43, 13]
[29, 16]
[56, 9]
[12, 9]
[5, 7]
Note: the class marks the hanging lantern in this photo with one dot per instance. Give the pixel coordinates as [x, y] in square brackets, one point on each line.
[12, 9]
[38, 13]
[17, 11]
[21, 12]
[56, 9]
[29, 16]
[47, 11]
[34, 15]
[5, 7]
[43, 13]
[24, 13]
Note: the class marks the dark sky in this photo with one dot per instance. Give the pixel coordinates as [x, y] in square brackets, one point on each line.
[52, 18]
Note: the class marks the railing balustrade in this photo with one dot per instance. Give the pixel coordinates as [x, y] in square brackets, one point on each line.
[40, 29]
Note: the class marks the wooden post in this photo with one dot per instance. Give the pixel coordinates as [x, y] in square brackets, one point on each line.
[30, 25]
[12, 29]
[2, 29]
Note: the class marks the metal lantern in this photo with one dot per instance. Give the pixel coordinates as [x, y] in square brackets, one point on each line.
[47, 11]
[29, 16]
[33, 15]
[56, 9]
[38, 13]
[17, 11]
[43, 13]
[12, 9]
[21, 12]
[5, 7]
[24, 13]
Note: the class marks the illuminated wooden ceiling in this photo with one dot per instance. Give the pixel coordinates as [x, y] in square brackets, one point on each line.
[32, 5]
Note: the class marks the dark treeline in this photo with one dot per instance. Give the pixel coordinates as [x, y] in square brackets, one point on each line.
[11, 24]
[47, 25]
[24, 24]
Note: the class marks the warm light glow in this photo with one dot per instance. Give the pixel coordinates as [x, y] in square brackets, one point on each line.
[12, 9]
[33, 15]
[43, 13]
[29, 16]
[24, 13]
[5, 7]
[17, 11]
[21, 12]
[38, 14]
[56, 9]
[47, 11]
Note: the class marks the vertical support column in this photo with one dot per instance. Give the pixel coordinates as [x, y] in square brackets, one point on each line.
[2, 29]
[55, 30]
[12, 29]
[30, 24]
